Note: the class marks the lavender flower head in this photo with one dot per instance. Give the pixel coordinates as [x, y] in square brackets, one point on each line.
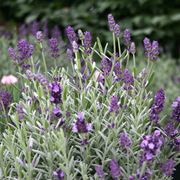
[24, 51]
[71, 34]
[20, 112]
[39, 36]
[5, 99]
[157, 106]
[87, 42]
[128, 80]
[56, 33]
[23, 30]
[54, 49]
[151, 49]
[176, 109]
[114, 169]
[35, 26]
[80, 126]
[151, 145]
[170, 129]
[117, 30]
[113, 107]
[99, 171]
[118, 71]
[124, 140]
[132, 48]
[127, 37]
[111, 22]
[59, 174]
[56, 91]
[167, 167]
[106, 66]
[45, 29]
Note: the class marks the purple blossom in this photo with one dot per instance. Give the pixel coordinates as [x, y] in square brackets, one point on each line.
[5, 99]
[99, 171]
[56, 91]
[128, 80]
[132, 48]
[71, 34]
[106, 66]
[59, 174]
[111, 22]
[157, 106]
[114, 169]
[177, 143]
[127, 37]
[118, 71]
[41, 79]
[145, 176]
[24, 51]
[20, 112]
[151, 145]
[167, 167]
[54, 49]
[87, 42]
[56, 33]
[57, 112]
[80, 126]
[131, 178]
[151, 49]
[176, 109]
[170, 129]
[117, 30]
[124, 140]
[35, 26]
[113, 106]
[39, 36]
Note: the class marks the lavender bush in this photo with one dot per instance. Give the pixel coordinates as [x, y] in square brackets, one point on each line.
[88, 121]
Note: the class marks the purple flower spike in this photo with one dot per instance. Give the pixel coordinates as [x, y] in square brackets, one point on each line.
[54, 49]
[87, 42]
[128, 80]
[24, 51]
[20, 112]
[170, 130]
[132, 48]
[106, 66]
[71, 34]
[114, 107]
[176, 109]
[157, 106]
[118, 71]
[5, 99]
[114, 169]
[111, 22]
[124, 140]
[127, 37]
[34, 28]
[57, 112]
[55, 90]
[45, 29]
[56, 33]
[80, 126]
[99, 171]
[39, 36]
[117, 30]
[151, 49]
[151, 145]
[168, 167]
[59, 174]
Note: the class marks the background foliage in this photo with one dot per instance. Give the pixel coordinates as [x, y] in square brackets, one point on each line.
[159, 19]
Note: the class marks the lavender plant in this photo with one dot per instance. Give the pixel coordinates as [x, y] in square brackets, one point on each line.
[91, 122]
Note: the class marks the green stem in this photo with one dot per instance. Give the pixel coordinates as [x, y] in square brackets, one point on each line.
[44, 60]
[119, 46]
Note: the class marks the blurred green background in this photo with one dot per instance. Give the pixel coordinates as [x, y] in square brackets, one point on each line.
[158, 19]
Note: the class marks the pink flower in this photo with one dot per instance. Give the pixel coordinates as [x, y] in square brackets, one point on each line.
[10, 79]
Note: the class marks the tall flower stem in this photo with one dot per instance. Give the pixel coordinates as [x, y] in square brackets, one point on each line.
[119, 46]
[44, 60]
